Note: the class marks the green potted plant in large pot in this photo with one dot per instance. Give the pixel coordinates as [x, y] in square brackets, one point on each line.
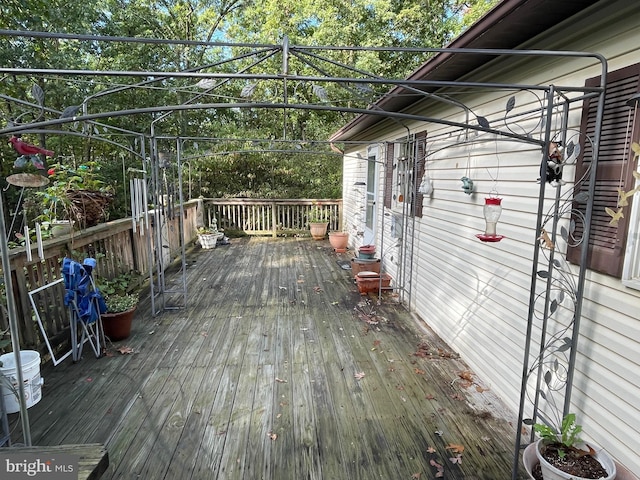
[318, 219]
[563, 455]
[121, 296]
[74, 196]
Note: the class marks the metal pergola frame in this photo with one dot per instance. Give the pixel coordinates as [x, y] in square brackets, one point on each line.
[556, 97]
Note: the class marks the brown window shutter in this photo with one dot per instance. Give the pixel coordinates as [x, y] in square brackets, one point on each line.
[388, 174]
[606, 241]
[421, 148]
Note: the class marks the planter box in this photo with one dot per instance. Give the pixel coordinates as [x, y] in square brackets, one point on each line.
[369, 282]
[209, 240]
[364, 265]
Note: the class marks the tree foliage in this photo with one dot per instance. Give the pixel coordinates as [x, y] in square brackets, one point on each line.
[234, 157]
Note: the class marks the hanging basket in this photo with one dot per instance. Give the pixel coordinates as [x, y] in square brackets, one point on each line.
[88, 207]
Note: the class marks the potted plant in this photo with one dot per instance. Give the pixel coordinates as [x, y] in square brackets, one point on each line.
[74, 196]
[563, 455]
[208, 236]
[339, 241]
[318, 222]
[121, 297]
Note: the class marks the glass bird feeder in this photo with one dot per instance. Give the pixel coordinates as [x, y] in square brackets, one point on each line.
[492, 210]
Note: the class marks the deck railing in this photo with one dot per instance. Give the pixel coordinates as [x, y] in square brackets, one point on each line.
[116, 248]
[270, 217]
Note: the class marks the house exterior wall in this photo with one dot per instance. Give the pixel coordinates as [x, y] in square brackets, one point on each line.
[476, 295]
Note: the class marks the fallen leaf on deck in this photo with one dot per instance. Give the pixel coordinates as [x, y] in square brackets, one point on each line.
[440, 472]
[279, 380]
[457, 459]
[204, 334]
[359, 375]
[447, 354]
[485, 439]
[431, 450]
[415, 475]
[124, 350]
[376, 343]
[419, 372]
[317, 289]
[480, 389]
[335, 303]
[430, 397]
[272, 436]
[439, 433]
[457, 396]
[455, 447]
[466, 375]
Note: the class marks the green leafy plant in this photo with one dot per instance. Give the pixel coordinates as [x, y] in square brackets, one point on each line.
[317, 214]
[121, 303]
[121, 292]
[568, 434]
[64, 180]
[207, 230]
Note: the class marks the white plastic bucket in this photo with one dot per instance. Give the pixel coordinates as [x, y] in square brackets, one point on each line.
[30, 362]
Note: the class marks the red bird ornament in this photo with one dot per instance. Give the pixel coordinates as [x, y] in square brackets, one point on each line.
[28, 149]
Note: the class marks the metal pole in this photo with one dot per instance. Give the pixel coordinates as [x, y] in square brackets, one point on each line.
[13, 327]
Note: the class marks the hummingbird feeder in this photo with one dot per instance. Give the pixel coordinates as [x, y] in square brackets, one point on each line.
[492, 210]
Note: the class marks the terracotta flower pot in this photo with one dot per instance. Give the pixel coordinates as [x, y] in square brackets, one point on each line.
[339, 241]
[318, 230]
[117, 326]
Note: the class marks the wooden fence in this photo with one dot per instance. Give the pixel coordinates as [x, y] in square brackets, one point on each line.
[270, 217]
[116, 248]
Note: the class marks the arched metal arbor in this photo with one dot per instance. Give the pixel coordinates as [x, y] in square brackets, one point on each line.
[558, 283]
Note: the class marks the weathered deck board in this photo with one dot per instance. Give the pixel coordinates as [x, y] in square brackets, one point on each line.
[256, 379]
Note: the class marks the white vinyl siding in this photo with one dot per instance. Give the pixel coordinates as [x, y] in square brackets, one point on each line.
[475, 295]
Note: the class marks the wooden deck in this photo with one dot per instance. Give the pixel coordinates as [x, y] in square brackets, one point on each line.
[277, 370]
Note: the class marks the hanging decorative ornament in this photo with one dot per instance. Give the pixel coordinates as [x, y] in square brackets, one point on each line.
[27, 180]
[426, 187]
[467, 185]
[492, 210]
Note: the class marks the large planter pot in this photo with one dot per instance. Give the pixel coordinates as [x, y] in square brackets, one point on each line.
[339, 241]
[117, 326]
[318, 230]
[549, 472]
[364, 265]
[209, 240]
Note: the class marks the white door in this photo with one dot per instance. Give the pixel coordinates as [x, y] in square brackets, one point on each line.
[370, 200]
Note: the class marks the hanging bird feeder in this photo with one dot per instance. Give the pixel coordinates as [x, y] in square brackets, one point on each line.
[492, 210]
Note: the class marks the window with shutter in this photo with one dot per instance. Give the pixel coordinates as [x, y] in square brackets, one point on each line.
[403, 176]
[388, 175]
[615, 168]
